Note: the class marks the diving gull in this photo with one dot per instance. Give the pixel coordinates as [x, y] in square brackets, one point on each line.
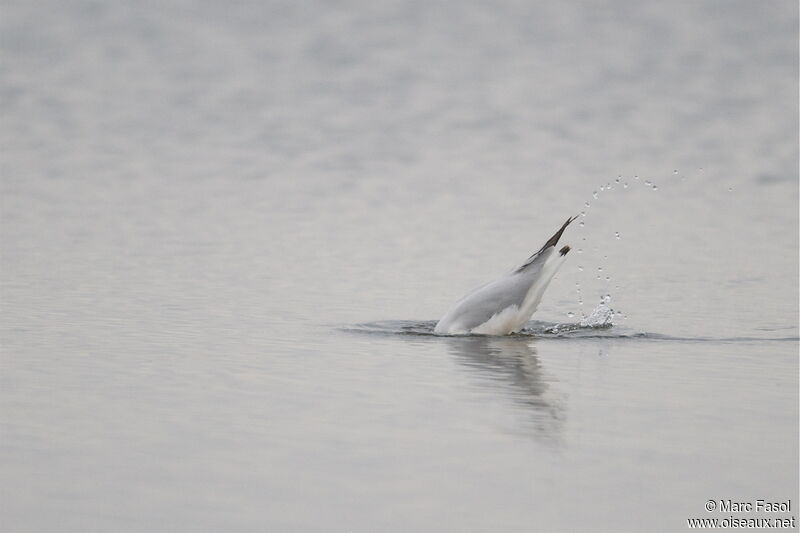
[504, 305]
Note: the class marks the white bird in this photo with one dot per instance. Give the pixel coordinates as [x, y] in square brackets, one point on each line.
[504, 305]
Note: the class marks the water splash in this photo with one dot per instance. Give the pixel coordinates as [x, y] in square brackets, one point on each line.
[600, 317]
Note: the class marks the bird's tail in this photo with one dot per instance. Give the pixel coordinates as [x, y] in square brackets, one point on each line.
[552, 241]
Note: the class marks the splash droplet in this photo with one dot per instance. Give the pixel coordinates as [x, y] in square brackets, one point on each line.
[581, 224]
[587, 204]
[636, 177]
[616, 234]
[625, 185]
[618, 178]
[655, 187]
[580, 268]
[730, 189]
[674, 171]
[594, 194]
[647, 182]
[571, 314]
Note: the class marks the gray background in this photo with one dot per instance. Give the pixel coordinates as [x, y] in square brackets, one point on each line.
[220, 221]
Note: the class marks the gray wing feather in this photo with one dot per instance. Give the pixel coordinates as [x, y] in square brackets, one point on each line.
[484, 302]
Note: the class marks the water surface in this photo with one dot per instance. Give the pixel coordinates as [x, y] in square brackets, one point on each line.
[227, 231]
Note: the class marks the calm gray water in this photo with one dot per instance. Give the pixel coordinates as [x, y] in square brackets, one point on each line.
[228, 228]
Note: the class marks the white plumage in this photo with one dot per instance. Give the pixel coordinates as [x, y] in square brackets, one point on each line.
[504, 305]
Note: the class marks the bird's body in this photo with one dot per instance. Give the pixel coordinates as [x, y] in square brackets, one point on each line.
[504, 305]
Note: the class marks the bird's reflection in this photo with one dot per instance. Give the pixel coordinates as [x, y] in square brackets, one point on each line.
[512, 363]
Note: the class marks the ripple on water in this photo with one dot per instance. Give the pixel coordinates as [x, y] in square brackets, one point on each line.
[544, 330]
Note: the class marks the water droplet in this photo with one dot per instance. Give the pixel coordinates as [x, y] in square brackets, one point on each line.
[730, 189]
[625, 185]
[674, 171]
[655, 187]
[618, 178]
[616, 234]
[580, 250]
[602, 188]
[647, 182]
[571, 314]
[606, 298]
[587, 204]
[599, 269]
[594, 193]
[636, 177]
[583, 213]
[581, 224]
[580, 268]
[608, 278]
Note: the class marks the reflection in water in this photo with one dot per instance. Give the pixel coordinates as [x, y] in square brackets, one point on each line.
[512, 363]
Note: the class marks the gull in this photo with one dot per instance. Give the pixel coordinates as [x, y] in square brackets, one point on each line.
[504, 305]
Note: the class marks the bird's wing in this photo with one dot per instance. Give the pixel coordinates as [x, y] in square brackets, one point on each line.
[487, 300]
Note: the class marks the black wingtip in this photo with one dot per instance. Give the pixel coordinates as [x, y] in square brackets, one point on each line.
[554, 239]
